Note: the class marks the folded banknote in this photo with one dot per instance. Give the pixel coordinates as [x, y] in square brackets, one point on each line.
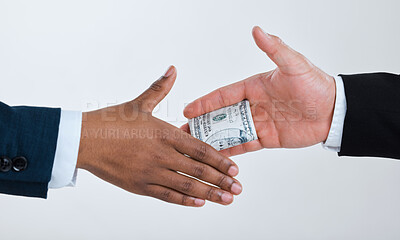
[226, 127]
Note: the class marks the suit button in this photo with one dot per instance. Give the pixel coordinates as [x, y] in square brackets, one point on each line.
[5, 164]
[19, 164]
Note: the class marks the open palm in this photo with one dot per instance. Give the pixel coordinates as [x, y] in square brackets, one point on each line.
[292, 106]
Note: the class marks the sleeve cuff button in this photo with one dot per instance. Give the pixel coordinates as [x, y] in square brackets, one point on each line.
[19, 164]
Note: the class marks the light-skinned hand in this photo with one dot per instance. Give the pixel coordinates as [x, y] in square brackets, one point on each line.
[292, 105]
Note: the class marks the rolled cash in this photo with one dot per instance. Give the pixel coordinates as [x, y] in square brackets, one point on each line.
[226, 127]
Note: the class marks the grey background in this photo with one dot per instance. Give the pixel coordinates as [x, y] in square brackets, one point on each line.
[82, 55]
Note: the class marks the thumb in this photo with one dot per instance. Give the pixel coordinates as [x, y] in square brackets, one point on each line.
[280, 53]
[149, 99]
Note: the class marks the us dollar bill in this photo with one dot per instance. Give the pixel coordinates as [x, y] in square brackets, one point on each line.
[226, 127]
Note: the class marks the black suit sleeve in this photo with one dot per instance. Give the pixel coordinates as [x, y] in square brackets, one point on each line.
[372, 122]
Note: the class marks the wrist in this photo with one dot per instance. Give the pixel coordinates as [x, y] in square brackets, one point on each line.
[83, 156]
[330, 108]
[334, 139]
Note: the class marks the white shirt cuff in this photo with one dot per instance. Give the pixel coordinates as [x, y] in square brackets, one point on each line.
[64, 168]
[334, 140]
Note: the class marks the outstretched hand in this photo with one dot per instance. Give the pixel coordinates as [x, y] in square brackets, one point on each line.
[292, 105]
[128, 147]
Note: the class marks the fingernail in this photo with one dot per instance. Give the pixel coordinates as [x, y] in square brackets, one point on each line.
[236, 189]
[265, 33]
[169, 72]
[233, 171]
[227, 198]
[199, 202]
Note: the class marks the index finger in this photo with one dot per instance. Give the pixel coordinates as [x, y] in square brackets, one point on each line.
[233, 151]
[204, 153]
[217, 99]
[185, 127]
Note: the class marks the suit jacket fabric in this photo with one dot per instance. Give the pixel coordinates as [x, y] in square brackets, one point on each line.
[30, 132]
[372, 122]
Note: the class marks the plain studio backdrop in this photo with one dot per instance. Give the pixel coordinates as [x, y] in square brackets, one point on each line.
[82, 55]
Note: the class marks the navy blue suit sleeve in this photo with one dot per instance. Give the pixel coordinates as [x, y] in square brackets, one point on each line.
[30, 132]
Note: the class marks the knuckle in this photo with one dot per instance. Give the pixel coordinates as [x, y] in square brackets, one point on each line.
[187, 186]
[224, 164]
[222, 180]
[136, 104]
[200, 152]
[179, 136]
[147, 171]
[167, 138]
[166, 195]
[274, 52]
[278, 40]
[148, 190]
[221, 99]
[205, 104]
[199, 171]
[164, 139]
[185, 200]
[302, 62]
[210, 193]
[226, 182]
[156, 86]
